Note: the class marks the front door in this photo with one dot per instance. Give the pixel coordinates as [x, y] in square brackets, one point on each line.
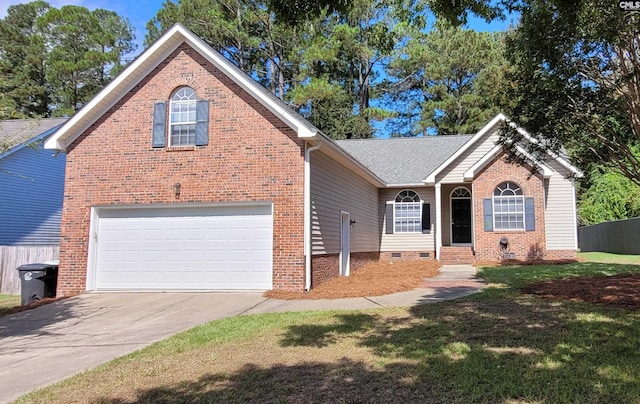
[461, 221]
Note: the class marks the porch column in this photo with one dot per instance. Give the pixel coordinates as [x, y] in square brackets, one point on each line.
[438, 221]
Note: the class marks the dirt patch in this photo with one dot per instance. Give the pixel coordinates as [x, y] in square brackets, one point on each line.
[616, 290]
[374, 279]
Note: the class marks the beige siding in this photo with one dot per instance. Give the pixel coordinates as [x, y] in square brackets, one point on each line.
[335, 188]
[560, 212]
[407, 241]
[455, 171]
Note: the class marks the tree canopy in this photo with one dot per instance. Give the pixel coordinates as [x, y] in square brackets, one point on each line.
[53, 60]
[575, 79]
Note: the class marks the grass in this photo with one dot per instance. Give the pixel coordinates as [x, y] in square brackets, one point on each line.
[610, 258]
[496, 346]
[8, 302]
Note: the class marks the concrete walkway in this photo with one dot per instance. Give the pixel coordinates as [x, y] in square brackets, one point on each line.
[52, 342]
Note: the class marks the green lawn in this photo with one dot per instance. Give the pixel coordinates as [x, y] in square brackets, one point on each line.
[8, 302]
[610, 258]
[496, 346]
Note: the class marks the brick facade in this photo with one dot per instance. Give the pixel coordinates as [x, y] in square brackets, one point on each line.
[327, 266]
[251, 156]
[527, 245]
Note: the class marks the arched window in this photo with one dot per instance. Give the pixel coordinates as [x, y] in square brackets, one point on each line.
[182, 117]
[407, 212]
[508, 207]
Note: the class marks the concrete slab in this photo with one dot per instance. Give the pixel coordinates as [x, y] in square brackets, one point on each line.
[47, 344]
[52, 342]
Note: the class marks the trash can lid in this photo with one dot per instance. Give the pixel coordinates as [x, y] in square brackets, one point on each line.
[36, 267]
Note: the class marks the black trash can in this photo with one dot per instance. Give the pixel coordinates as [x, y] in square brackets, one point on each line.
[37, 281]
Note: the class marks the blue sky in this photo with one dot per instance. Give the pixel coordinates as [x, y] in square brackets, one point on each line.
[139, 12]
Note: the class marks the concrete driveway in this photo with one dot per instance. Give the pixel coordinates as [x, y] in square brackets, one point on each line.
[47, 344]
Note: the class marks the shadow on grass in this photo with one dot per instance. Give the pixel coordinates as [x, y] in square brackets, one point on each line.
[36, 321]
[492, 347]
[522, 349]
[518, 276]
[322, 335]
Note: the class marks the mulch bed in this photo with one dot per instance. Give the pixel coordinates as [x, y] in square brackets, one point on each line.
[373, 279]
[617, 290]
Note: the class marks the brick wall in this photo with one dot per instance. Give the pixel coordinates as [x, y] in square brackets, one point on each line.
[252, 156]
[406, 255]
[325, 267]
[526, 245]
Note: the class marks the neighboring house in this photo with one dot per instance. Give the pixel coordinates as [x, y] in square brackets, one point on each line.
[31, 189]
[184, 173]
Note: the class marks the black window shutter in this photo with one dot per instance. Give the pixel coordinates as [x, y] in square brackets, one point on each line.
[202, 123]
[426, 218]
[529, 214]
[487, 209]
[389, 219]
[159, 124]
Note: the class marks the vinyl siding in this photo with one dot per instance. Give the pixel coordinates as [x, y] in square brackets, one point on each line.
[454, 173]
[32, 186]
[407, 241]
[560, 210]
[335, 188]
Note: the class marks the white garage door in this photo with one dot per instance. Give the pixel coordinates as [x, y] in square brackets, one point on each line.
[196, 248]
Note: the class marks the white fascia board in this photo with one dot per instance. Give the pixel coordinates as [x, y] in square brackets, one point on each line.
[546, 170]
[303, 128]
[339, 154]
[431, 178]
[482, 163]
[561, 160]
[114, 91]
[418, 185]
[148, 61]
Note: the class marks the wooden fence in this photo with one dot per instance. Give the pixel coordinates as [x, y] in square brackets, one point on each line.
[620, 237]
[11, 257]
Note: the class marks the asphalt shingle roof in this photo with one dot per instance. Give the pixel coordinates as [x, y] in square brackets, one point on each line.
[406, 160]
[17, 131]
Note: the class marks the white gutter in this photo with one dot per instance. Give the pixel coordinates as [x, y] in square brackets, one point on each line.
[307, 214]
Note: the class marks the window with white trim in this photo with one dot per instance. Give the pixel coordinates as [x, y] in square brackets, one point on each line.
[508, 207]
[407, 212]
[182, 117]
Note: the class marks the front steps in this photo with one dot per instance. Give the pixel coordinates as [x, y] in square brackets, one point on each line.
[456, 255]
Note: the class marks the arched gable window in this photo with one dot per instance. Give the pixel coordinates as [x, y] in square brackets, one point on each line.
[182, 117]
[188, 123]
[407, 212]
[508, 207]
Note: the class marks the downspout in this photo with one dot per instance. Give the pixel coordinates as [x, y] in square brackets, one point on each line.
[438, 187]
[307, 214]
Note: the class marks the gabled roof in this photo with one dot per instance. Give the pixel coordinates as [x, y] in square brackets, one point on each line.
[146, 62]
[404, 161]
[18, 133]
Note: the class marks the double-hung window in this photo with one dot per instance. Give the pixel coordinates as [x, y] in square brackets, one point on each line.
[508, 207]
[187, 123]
[182, 118]
[407, 212]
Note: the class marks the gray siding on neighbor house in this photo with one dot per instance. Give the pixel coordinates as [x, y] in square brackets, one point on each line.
[31, 193]
[407, 241]
[335, 188]
[560, 210]
[454, 173]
